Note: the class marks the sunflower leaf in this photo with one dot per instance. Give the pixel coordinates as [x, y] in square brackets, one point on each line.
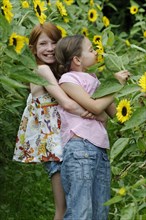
[12, 83]
[108, 87]
[27, 76]
[118, 147]
[113, 62]
[128, 89]
[136, 119]
[113, 200]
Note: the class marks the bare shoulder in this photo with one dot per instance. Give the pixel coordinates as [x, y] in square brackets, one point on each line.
[43, 68]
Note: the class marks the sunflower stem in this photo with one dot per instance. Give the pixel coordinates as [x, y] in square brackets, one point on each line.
[22, 19]
[138, 48]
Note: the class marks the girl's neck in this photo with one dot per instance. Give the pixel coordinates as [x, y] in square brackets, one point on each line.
[78, 69]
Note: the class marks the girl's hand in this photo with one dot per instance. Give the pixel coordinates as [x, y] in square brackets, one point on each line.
[88, 115]
[122, 76]
[103, 117]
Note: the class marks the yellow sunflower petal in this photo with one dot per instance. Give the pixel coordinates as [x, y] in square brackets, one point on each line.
[142, 82]
[92, 15]
[124, 111]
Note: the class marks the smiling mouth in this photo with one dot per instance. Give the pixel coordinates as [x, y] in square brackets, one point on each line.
[49, 55]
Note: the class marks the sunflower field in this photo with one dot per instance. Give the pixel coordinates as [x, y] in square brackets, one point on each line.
[117, 30]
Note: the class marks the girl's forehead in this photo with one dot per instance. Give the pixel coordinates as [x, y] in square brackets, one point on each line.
[87, 42]
[44, 36]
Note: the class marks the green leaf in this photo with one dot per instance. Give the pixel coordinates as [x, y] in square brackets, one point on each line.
[128, 212]
[28, 76]
[128, 89]
[139, 183]
[111, 38]
[107, 87]
[4, 28]
[118, 147]
[138, 117]
[113, 200]
[12, 83]
[11, 53]
[28, 61]
[125, 59]
[113, 62]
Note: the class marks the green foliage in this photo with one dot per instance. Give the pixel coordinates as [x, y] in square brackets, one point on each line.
[26, 192]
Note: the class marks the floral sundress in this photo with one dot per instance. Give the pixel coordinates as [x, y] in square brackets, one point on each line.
[38, 137]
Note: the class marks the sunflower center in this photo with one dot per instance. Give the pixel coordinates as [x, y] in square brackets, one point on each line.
[124, 111]
[38, 10]
[14, 41]
[2, 12]
[91, 15]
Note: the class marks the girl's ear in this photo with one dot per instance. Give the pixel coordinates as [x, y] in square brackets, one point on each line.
[76, 60]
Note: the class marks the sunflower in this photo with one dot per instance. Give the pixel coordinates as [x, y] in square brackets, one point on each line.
[123, 111]
[92, 15]
[106, 21]
[84, 31]
[69, 2]
[48, 2]
[25, 4]
[63, 31]
[100, 48]
[133, 9]
[6, 10]
[61, 8]
[144, 34]
[39, 8]
[96, 39]
[122, 191]
[66, 19]
[142, 82]
[91, 2]
[100, 51]
[17, 41]
[101, 68]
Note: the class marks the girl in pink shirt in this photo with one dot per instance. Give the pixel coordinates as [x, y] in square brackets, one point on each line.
[85, 170]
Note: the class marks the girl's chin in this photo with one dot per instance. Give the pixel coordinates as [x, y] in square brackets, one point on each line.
[49, 61]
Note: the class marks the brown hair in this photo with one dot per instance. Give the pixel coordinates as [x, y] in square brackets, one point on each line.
[52, 32]
[65, 50]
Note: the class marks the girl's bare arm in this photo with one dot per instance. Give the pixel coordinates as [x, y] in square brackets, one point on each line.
[62, 98]
[77, 93]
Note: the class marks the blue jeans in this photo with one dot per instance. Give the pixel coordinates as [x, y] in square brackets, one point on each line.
[85, 174]
[52, 167]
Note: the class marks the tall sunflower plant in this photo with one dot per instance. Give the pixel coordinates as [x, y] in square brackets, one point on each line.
[130, 99]
[115, 52]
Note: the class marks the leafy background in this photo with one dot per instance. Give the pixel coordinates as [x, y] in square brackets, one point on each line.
[25, 189]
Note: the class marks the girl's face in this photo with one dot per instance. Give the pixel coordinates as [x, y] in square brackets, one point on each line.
[89, 55]
[45, 49]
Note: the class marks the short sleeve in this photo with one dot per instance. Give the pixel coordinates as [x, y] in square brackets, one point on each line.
[72, 78]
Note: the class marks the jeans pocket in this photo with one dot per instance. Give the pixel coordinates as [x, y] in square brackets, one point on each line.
[85, 163]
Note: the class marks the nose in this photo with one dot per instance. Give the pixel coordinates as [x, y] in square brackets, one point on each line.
[50, 47]
[95, 52]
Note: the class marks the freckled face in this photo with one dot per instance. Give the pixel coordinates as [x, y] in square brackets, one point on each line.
[45, 49]
[89, 55]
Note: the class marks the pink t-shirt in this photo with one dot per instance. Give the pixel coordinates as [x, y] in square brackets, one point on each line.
[71, 124]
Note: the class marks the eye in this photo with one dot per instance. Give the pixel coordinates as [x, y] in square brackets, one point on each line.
[42, 43]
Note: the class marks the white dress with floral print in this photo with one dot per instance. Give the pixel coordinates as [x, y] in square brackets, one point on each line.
[38, 137]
